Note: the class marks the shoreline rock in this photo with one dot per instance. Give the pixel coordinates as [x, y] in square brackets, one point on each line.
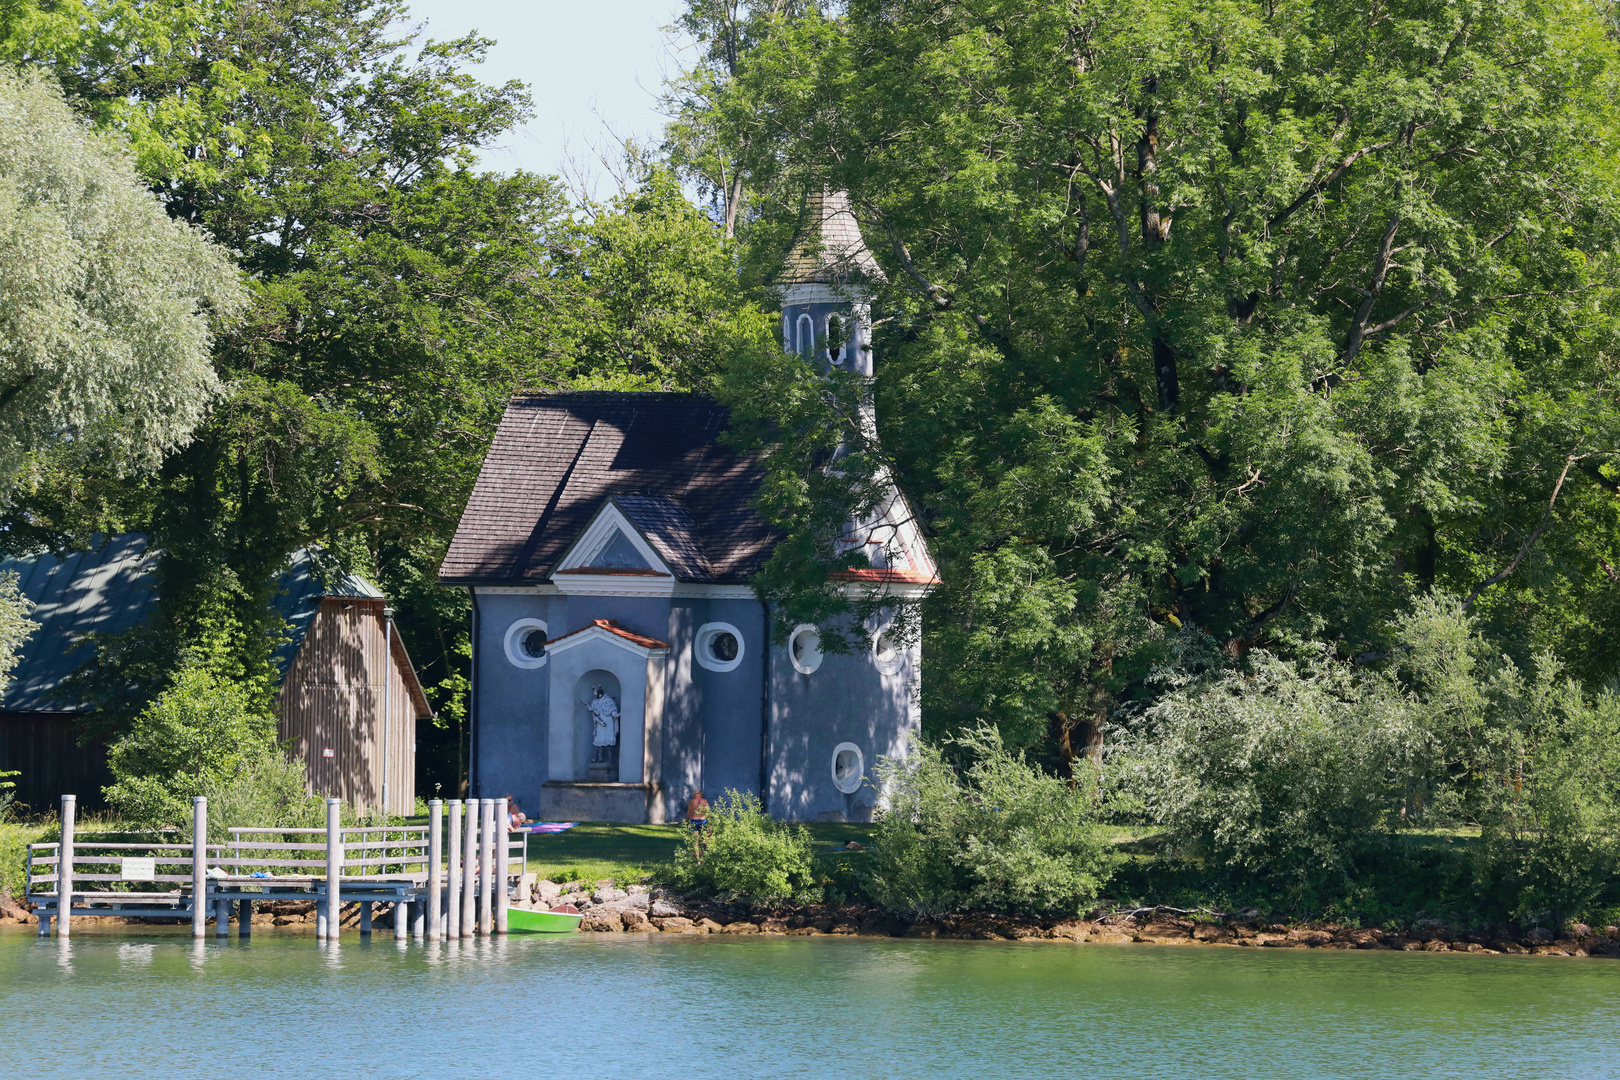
[659, 911]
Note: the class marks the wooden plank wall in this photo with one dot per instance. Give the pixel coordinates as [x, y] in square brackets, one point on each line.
[333, 697]
[45, 748]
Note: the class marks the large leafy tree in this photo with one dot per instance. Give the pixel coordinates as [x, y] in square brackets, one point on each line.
[399, 297]
[1259, 318]
[108, 307]
[108, 310]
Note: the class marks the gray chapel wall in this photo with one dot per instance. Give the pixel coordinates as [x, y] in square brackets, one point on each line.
[711, 720]
[732, 713]
[846, 699]
[513, 719]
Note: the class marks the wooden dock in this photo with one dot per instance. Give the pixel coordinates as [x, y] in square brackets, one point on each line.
[430, 875]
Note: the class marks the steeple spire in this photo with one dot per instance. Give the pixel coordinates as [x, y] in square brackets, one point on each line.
[829, 249]
[826, 314]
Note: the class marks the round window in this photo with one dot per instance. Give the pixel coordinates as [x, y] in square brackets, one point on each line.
[804, 648]
[719, 646]
[724, 646]
[526, 643]
[534, 643]
[848, 768]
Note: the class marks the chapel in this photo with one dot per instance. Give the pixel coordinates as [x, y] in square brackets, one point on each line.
[621, 658]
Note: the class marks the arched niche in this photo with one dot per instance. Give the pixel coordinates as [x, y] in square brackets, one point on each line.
[585, 726]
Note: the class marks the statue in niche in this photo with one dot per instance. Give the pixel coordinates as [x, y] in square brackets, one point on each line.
[605, 724]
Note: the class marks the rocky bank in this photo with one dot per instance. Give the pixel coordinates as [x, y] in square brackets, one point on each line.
[641, 910]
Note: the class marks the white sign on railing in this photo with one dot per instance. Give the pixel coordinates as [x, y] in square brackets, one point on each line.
[138, 869]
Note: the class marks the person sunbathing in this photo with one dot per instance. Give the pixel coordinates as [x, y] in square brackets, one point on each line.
[515, 817]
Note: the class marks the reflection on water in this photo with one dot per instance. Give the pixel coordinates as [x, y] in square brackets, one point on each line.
[117, 1005]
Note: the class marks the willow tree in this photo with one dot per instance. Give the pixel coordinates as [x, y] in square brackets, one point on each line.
[108, 307]
[1259, 317]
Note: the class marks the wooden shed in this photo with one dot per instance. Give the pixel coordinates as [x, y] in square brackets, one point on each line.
[349, 698]
[349, 704]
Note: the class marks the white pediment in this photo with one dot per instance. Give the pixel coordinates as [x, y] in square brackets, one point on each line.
[611, 542]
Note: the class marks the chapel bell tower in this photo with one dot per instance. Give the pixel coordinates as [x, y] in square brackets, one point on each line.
[826, 307]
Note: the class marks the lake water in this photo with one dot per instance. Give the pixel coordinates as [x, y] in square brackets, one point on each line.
[596, 1007]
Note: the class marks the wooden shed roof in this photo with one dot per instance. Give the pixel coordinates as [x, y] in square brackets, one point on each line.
[110, 588]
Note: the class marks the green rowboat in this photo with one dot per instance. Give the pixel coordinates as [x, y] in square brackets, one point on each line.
[524, 921]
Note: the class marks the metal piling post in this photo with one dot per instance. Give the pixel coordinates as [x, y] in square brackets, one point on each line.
[452, 922]
[334, 868]
[64, 869]
[469, 871]
[486, 866]
[435, 853]
[503, 844]
[199, 866]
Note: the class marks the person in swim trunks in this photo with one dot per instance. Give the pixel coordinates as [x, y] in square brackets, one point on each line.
[697, 811]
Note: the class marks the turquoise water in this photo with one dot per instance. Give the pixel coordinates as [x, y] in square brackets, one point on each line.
[596, 1007]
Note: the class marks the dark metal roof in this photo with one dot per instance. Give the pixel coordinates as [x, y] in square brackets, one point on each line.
[104, 590]
[111, 588]
[829, 247]
[298, 598]
[557, 458]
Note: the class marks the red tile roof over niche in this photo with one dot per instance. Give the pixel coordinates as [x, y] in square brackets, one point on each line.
[612, 627]
[557, 458]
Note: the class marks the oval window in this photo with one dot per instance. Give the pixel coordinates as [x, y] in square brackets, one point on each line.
[724, 646]
[848, 767]
[719, 646]
[804, 648]
[885, 652]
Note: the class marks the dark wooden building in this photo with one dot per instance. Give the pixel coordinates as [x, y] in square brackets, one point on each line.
[349, 700]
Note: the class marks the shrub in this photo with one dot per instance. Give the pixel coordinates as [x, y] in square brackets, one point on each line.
[745, 854]
[1548, 796]
[14, 841]
[1286, 772]
[200, 732]
[999, 834]
[264, 790]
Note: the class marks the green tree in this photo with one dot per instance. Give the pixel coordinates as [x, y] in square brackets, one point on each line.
[399, 297]
[744, 852]
[1287, 775]
[199, 732]
[108, 307]
[1256, 319]
[997, 834]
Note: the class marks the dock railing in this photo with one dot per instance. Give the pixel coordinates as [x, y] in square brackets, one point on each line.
[167, 878]
[434, 877]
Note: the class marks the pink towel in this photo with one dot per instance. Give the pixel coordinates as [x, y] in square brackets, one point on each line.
[550, 826]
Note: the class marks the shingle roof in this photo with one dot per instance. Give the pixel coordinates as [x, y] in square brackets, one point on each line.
[829, 247]
[557, 458]
[110, 588]
[669, 528]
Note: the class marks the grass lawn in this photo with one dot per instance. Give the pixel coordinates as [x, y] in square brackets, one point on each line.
[595, 850]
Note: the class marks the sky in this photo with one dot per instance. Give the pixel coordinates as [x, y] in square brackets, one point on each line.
[594, 67]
